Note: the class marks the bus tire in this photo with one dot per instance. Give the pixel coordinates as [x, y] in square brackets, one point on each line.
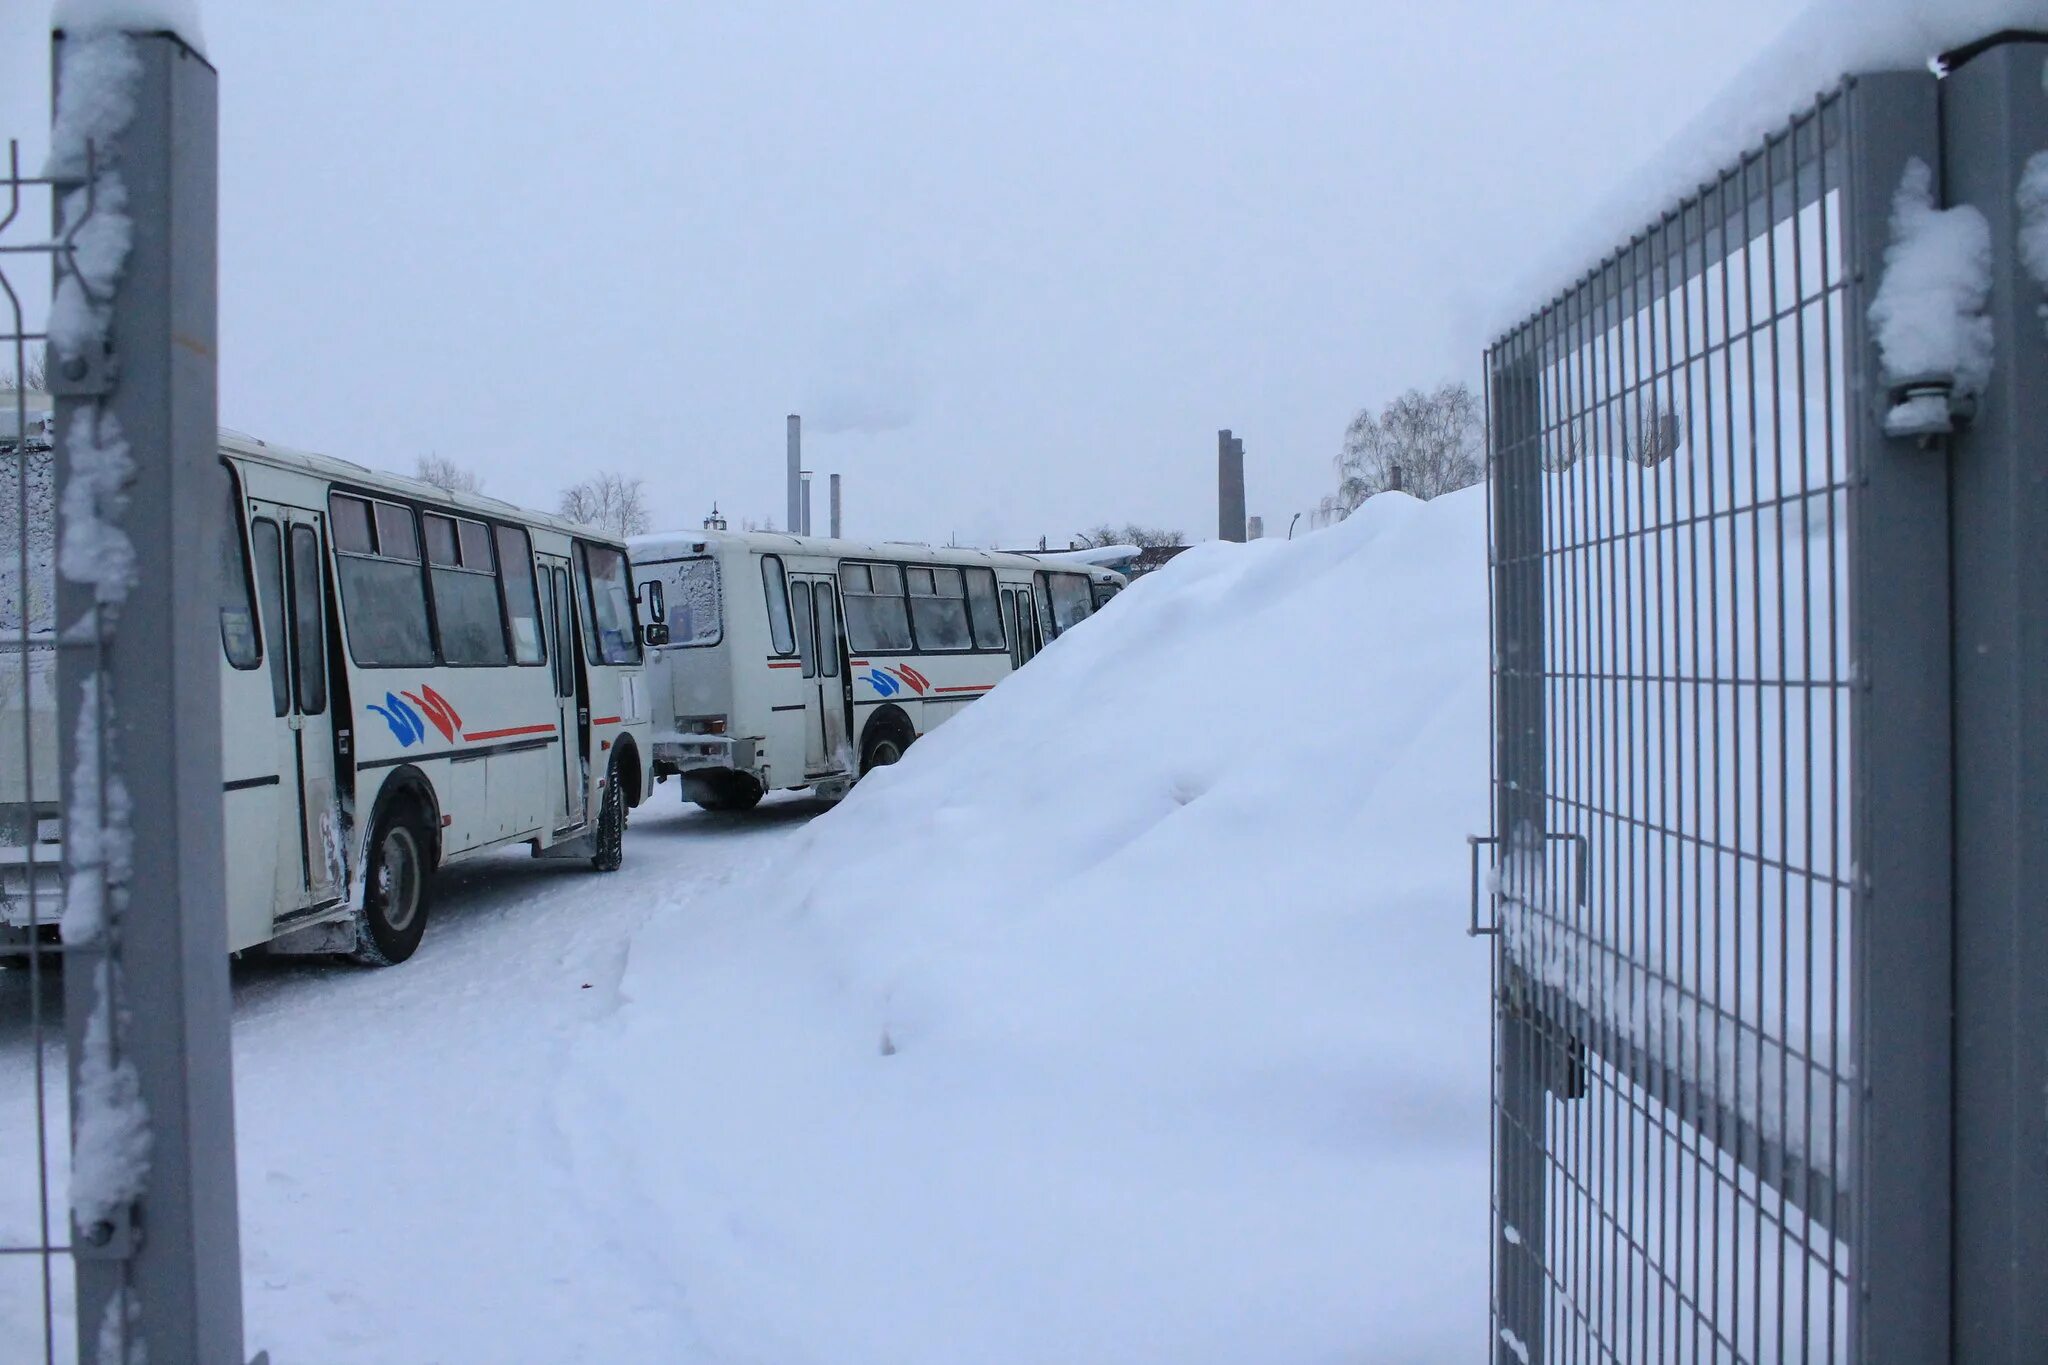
[396, 885]
[882, 745]
[611, 823]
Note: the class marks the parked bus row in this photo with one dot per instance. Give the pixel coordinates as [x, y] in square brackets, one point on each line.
[409, 679]
[412, 678]
[795, 661]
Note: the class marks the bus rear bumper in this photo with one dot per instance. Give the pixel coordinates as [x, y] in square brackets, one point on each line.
[685, 754]
[18, 877]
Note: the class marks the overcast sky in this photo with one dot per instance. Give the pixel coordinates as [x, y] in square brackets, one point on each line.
[1015, 263]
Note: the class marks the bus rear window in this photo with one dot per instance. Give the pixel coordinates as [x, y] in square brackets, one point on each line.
[695, 613]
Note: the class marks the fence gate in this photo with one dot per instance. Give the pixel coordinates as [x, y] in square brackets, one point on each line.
[1771, 743]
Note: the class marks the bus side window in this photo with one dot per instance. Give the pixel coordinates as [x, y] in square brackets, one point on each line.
[238, 638]
[522, 611]
[806, 629]
[383, 596]
[309, 629]
[781, 637]
[981, 602]
[269, 546]
[828, 634]
[877, 618]
[468, 617]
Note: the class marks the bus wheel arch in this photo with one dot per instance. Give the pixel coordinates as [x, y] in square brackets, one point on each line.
[400, 854]
[408, 784]
[631, 774]
[886, 736]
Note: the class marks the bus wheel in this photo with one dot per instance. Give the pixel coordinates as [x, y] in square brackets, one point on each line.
[611, 824]
[394, 913]
[880, 751]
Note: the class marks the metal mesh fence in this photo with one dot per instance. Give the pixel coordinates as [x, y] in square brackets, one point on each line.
[1672, 476]
[35, 1267]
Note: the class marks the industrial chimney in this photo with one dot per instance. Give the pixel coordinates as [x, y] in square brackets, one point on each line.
[1229, 487]
[793, 522]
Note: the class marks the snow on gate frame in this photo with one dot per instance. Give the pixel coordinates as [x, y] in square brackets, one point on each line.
[132, 182]
[1768, 764]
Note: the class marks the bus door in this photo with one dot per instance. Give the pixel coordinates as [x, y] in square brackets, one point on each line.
[814, 600]
[291, 585]
[558, 611]
[1022, 624]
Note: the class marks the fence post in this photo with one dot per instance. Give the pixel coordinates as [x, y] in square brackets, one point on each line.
[1900, 835]
[1995, 119]
[1515, 490]
[146, 996]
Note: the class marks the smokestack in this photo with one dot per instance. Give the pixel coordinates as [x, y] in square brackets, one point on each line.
[1254, 528]
[1229, 487]
[805, 477]
[835, 507]
[794, 521]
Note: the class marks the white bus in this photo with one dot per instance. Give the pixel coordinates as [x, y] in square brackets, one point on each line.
[794, 661]
[409, 679]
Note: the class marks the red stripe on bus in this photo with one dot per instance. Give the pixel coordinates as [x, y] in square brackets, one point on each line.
[785, 663]
[606, 720]
[506, 734]
[858, 663]
[981, 688]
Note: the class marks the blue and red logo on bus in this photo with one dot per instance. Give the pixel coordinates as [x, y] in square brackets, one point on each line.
[889, 681]
[402, 712]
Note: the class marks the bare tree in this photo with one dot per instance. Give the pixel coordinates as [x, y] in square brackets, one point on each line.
[33, 378]
[610, 501]
[1427, 444]
[1648, 433]
[1144, 537]
[447, 475]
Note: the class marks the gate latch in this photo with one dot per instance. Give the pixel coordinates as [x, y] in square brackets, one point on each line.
[1927, 406]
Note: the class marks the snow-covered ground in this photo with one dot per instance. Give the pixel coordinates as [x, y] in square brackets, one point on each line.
[1129, 1019]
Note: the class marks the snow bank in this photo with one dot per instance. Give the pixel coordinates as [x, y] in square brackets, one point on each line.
[1130, 1018]
[1828, 40]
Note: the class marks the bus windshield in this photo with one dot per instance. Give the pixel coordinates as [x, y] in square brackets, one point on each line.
[615, 640]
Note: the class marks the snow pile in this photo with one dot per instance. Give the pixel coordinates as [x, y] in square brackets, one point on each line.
[1129, 1018]
[1828, 40]
[1928, 315]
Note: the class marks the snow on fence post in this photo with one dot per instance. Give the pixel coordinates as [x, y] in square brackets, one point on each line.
[1995, 117]
[155, 1239]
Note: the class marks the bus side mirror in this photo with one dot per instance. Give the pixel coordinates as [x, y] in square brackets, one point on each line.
[650, 598]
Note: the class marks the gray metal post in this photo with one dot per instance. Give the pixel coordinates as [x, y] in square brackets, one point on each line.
[1994, 119]
[1229, 487]
[793, 519]
[168, 1266]
[835, 507]
[1520, 1139]
[1900, 835]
